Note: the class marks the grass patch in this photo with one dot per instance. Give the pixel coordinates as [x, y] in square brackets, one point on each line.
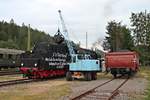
[23, 93]
[10, 77]
[145, 73]
[104, 75]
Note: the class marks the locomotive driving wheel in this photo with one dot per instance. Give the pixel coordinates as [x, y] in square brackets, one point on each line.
[88, 76]
[94, 76]
[115, 75]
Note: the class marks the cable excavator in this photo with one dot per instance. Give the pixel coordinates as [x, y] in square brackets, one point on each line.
[81, 64]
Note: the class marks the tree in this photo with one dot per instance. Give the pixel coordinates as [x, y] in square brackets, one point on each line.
[140, 23]
[3, 36]
[15, 36]
[12, 21]
[118, 37]
[127, 40]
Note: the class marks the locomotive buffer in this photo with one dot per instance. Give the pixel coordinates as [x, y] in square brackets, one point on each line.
[79, 63]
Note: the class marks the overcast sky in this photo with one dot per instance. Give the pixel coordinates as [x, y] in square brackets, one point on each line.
[81, 16]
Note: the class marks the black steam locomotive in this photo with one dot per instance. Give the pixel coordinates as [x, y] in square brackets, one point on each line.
[46, 54]
[49, 59]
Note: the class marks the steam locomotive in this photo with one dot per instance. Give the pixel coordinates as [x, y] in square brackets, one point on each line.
[49, 59]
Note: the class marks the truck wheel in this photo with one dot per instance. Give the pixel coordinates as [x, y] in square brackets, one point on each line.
[68, 76]
[88, 76]
[115, 75]
[94, 76]
[122, 74]
[29, 77]
[130, 74]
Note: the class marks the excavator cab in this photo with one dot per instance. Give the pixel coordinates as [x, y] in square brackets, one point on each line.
[78, 57]
[82, 65]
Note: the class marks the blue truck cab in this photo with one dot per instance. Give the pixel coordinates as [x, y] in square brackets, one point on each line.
[85, 65]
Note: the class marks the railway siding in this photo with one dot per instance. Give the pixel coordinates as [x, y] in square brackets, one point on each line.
[98, 93]
[135, 86]
[133, 89]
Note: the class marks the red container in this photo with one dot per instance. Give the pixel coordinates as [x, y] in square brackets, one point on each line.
[122, 60]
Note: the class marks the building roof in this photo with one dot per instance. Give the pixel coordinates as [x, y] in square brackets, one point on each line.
[10, 51]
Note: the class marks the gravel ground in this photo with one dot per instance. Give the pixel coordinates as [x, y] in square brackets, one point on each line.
[133, 90]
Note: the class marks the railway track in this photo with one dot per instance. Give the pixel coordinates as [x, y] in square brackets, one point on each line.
[97, 93]
[2, 73]
[19, 81]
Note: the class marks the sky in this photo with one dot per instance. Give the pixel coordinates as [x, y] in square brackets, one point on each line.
[80, 16]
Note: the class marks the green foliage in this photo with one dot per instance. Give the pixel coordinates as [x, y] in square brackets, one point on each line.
[3, 36]
[118, 37]
[145, 72]
[15, 36]
[9, 43]
[140, 23]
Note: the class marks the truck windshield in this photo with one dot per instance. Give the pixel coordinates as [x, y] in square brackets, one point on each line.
[74, 59]
[81, 56]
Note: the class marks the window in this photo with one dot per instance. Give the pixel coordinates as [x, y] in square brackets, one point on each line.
[9, 56]
[74, 59]
[1, 56]
[80, 56]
